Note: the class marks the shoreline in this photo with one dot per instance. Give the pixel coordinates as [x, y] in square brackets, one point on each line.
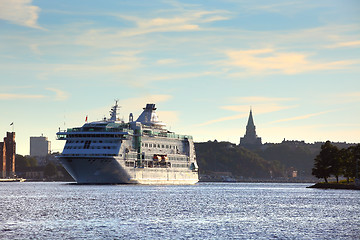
[335, 186]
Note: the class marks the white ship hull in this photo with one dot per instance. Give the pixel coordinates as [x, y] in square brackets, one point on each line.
[113, 171]
[141, 152]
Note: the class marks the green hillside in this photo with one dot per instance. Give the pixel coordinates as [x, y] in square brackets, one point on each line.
[227, 157]
[299, 158]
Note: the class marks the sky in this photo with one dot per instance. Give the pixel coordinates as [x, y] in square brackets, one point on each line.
[203, 63]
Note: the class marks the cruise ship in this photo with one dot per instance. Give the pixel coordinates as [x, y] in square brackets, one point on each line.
[143, 151]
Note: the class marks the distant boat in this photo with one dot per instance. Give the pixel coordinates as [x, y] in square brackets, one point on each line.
[12, 180]
[142, 151]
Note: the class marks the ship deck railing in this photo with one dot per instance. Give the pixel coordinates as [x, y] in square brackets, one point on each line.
[166, 134]
[111, 129]
[103, 134]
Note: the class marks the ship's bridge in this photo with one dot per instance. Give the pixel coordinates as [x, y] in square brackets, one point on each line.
[97, 130]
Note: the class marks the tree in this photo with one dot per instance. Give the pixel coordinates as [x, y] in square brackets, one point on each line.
[31, 161]
[347, 163]
[50, 170]
[336, 166]
[24, 163]
[355, 154]
[20, 162]
[325, 161]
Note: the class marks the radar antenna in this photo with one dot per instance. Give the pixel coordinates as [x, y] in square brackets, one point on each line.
[113, 111]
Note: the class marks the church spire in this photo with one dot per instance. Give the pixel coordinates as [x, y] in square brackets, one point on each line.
[250, 139]
[251, 120]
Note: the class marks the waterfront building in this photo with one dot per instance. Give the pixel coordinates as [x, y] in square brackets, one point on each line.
[2, 160]
[7, 156]
[250, 139]
[40, 147]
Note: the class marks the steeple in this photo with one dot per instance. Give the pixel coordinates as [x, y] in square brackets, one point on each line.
[250, 139]
[250, 127]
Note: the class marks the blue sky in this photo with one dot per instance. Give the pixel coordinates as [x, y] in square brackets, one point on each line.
[297, 63]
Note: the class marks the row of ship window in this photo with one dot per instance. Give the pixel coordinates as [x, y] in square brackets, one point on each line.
[100, 141]
[95, 135]
[154, 145]
[92, 154]
[82, 147]
[150, 157]
[151, 164]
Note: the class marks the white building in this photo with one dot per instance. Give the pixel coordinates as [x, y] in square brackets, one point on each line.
[39, 146]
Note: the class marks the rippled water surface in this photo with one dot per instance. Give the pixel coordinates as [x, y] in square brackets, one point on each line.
[203, 211]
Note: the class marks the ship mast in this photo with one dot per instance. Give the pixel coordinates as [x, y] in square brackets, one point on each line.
[113, 111]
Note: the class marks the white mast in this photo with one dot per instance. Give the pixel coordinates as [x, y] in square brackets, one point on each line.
[113, 111]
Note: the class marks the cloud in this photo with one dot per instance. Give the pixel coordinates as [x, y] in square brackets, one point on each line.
[20, 12]
[135, 105]
[259, 104]
[259, 108]
[168, 117]
[155, 25]
[166, 61]
[129, 105]
[301, 117]
[14, 96]
[142, 81]
[113, 63]
[60, 95]
[223, 119]
[184, 21]
[180, 21]
[269, 61]
[257, 99]
[345, 44]
[345, 97]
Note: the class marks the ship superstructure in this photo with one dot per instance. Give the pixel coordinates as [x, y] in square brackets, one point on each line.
[142, 151]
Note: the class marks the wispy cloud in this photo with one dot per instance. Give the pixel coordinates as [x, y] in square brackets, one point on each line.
[168, 117]
[301, 117]
[223, 119]
[166, 61]
[270, 61]
[185, 20]
[287, 8]
[20, 12]
[59, 94]
[261, 99]
[345, 44]
[168, 77]
[113, 63]
[259, 104]
[135, 106]
[15, 96]
[180, 21]
[258, 108]
[345, 97]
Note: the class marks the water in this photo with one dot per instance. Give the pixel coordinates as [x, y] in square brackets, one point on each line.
[203, 211]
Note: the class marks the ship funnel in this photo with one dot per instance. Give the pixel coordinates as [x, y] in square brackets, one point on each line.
[149, 117]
